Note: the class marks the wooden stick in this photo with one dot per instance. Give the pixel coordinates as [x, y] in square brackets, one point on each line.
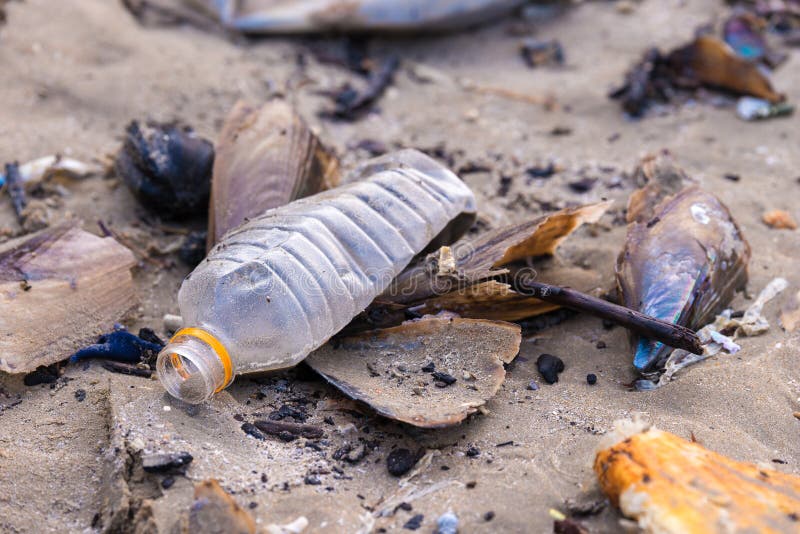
[670, 334]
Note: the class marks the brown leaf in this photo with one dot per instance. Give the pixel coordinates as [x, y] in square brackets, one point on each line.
[711, 61]
[265, 157]
[215, 512]
[59, 290]
[383, 368]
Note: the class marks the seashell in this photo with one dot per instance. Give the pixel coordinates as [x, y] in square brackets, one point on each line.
[265, 157]
[683, 259]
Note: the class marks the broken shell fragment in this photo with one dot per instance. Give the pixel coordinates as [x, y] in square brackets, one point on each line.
[167, 167]
[59, 290]
[670, 485]
[214, 510]
[682, 263]
[266, 157]
[367, 367]
[779, 219]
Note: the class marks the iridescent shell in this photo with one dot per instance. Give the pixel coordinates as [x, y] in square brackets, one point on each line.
[683, 260]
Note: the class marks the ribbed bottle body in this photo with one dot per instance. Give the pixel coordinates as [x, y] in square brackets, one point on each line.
[283, 283]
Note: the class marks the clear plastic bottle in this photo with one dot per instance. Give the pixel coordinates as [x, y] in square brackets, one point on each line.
[280, 285]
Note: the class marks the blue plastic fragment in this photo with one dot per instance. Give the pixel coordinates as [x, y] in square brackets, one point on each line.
[121, 346]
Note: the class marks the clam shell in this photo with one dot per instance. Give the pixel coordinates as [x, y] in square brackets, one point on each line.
[265, 157]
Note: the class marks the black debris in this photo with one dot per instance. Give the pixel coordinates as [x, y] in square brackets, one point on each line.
[488, 516]
[429, 367]
[285, 411]
[193, 248]
[400, 461]
[80, 395]
[41, 375]
[166, 462]
[505, 443]
[505, 185]
[537, 53]
[532, 385]
[126, 369]
[149, 335]
[406, 506]
[541, 172]
[583, 185]
[351, 104]
[415, 522]
[732, 177]
[350, 453]
[445, 378]
[167, 482]
[312, 480]
[276, 428]
[568, 526]
[167, 167]
[473, 451]
[600, 344]
[549, 366]
[252, 430]
[591, 379]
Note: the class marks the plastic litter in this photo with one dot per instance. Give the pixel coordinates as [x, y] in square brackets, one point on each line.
[283, 283]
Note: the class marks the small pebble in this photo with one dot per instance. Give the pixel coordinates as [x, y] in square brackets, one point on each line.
[473, 451]
[601, 344]
[414, 523]
[80, 395]
[549, 366]
[167, 482]
[163, 462]
[251, 430]
[533, 386]
[591, 379]
[447, 524]
[400, 461]
[312, 480]
[488, 516]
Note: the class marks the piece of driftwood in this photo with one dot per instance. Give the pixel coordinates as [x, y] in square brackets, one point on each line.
[428, 373]
[671, 485]
[59, 290]
[266, 156]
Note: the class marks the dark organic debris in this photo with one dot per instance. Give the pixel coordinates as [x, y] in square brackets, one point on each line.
[706, 61]
[165, 462]
[537, 53]
[414, 523]
[251, 430]
[400, 461]
[542, 172]
[193, 248]
[168, 482]
[351, 104]
[80, 395]
[583, 185]
[33, 215]
[591, 379]
[351, 453]
[42, 375]
[444, 378]
[127, 369]
[167, 167]
[121, 346]
[549, 366]
[568, 526]
[275, 428]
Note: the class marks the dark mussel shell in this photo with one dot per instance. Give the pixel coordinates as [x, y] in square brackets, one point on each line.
[683, 260]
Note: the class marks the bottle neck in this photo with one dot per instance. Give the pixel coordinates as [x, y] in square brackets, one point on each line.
[194, 365]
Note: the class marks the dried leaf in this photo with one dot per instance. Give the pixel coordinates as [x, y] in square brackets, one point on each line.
[485, 256]
[265, 157]
[670, 485]
[383, 368]
[59, 290]
[214, 511]
[712, 62]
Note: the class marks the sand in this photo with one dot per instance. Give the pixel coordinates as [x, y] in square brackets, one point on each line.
[75, 73]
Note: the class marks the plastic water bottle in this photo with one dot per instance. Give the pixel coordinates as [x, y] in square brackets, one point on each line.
[280, 285]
